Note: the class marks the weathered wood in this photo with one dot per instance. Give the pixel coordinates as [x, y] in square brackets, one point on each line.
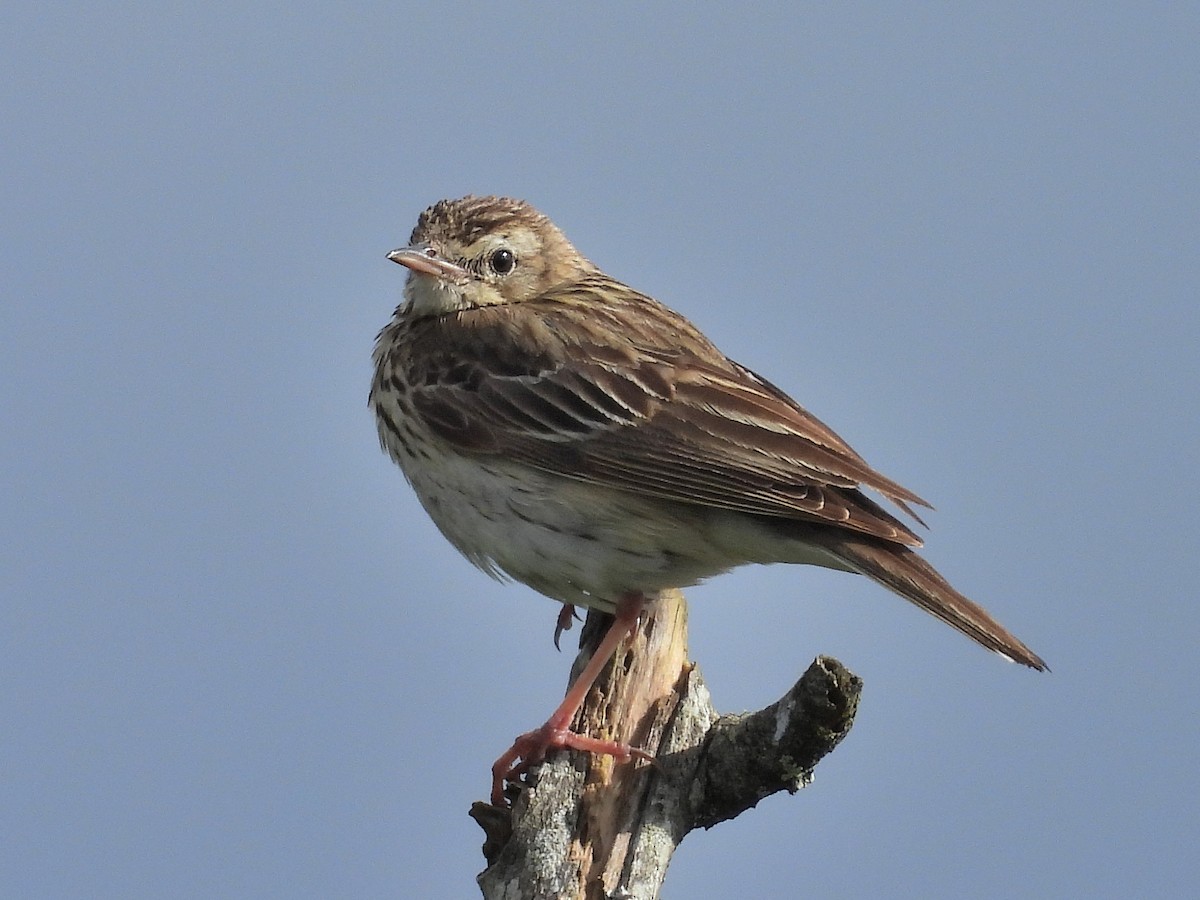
[587, 828]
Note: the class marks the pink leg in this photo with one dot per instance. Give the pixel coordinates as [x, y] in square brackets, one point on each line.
[532, 746]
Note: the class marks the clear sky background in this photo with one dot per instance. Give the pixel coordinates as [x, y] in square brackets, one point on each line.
[236, 660]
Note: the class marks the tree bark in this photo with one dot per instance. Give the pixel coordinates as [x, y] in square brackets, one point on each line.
[586, 828]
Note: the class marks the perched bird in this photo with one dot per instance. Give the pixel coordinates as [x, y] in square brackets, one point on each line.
[569, 432]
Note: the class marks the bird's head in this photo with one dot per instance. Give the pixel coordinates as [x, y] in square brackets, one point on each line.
[484, 251]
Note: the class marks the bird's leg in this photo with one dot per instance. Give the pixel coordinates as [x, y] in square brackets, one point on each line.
[532, 746]
[565, 617]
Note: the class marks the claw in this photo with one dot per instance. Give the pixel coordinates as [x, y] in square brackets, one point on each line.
[531, 748]
[565, 617]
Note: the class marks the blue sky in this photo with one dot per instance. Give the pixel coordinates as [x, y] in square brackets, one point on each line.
[236, 659]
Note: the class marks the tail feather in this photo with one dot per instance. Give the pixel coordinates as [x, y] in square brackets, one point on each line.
[905, 572]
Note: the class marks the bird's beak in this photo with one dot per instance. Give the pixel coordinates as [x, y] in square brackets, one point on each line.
[425, 260]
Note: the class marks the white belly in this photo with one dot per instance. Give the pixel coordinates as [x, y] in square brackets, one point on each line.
[566, 539]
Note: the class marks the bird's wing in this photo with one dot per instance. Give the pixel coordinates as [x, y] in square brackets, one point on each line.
[677, 423]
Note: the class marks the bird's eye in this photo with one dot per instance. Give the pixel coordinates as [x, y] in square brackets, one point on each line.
[503, 261]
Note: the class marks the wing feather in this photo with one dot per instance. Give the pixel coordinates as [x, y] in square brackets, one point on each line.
[652, 408]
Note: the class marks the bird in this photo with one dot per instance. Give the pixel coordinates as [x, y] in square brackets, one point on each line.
[569, 432]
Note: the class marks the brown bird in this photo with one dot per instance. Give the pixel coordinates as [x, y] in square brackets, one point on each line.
[569, 432]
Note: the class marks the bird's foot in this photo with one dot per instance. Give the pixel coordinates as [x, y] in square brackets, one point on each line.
[531, 748]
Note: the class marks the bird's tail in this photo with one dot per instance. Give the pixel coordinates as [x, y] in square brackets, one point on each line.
[903, 571]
